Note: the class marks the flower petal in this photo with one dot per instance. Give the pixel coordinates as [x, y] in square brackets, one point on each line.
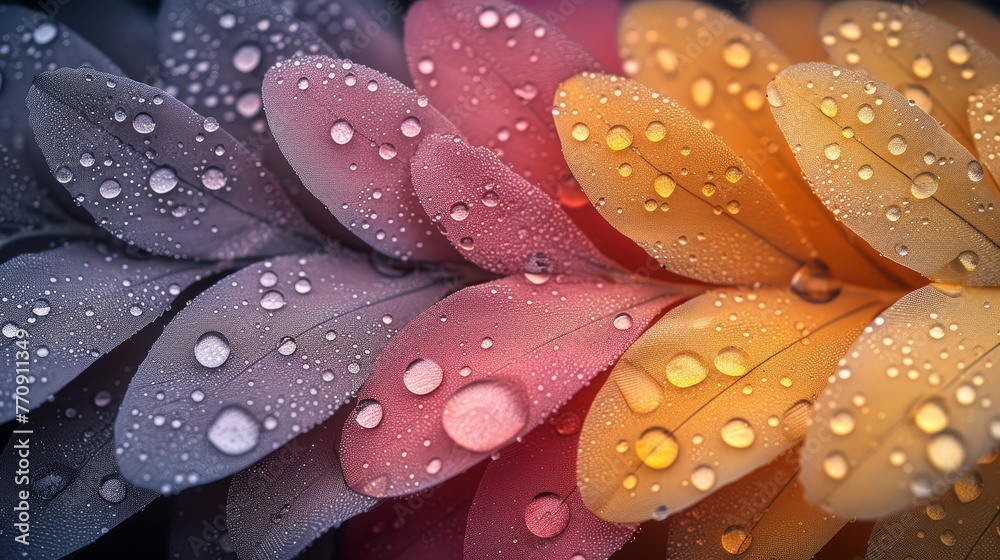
[482, 367]
[593, 26]
[910, 407]
[717, 67]
[729, 376]
[541, 515]
[890, 172]
[982, 111]
[213, 58]
[763, 515]
[679, 192]
[496, 218]
[76, 303]
[76, 491]
[958, 524]
[350, 132]
[156, 184]
[199, 527]
[493, 69]
[230, 379]
[429, 524]
[279, 506]
[927, 59]
[978, 20]
[368, 32]
[795, 41]
[33, 44]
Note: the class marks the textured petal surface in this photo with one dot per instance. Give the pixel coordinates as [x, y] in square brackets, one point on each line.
[725, 381]
[32, 44]
[492, 69]
[260, 357]
[350, 132]
[957, 524]
[911, 405]
[157, 174]
[77, 303]
[495, 217]
[927, 59]
[426, 525]
[887, 169]
[593, 26]
[798, 41]
[199, 527]
[764, 515]
[527, 505]
[983, 107]
[659, 177]
[289, 499]
[977, 19]
[482, 367]
[75, 491]
[718, 67]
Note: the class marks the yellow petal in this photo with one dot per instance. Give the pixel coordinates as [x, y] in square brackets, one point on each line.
[718, 67]
[726, 379]
[889, 172]
[762, 515]
[657, 176]
[979, 22]
[984, 108]
[773, 17]
[911, 405]
[927, 59]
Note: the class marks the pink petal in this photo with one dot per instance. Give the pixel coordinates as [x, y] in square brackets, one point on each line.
[493, 69]
[540, 516]
[482, 367]
[428, 525]
[496, 218]
[350, 132]
[593, 25]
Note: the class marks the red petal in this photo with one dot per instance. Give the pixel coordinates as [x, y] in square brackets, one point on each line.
[495, 217]
[594, 26]
[350, 132]
[494, 71]
[429, 525]
[541, 516]
[458, 383]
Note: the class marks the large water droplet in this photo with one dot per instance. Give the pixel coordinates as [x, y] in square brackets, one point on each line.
[924, 185]
[110, 189]
[489, 18]
[484, 415]
[657, 448]
[212, 349]
[143, 123]
[738, 433]
[814, 282]
[368, 413]
[234, 431]
[686, 369]
[619, 137]
[341, 132]
[213, 178]
[163, 180]
[547, 515]
[422, 376]
[703, 478]
[737, 54]
[272, 300]
[736, 539]
[931, 417]
[113, 489]
[246, 58]
[946, 452]
[835, 465]
[732, 361]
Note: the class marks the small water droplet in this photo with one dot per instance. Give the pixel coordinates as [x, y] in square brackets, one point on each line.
[422, 376]
[368, 413]
[246, 58]
[738, 433]
[341, 132]
[272, 300]
[234, 431]
[619, 137]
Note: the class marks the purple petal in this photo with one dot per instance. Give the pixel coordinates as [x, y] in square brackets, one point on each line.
[200, 528]
[77, 303]
[259, 358]
[164, 177]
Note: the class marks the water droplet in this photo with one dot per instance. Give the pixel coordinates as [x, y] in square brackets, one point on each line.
[272, 300]
[410, 127]
[866, 171]
[287, 346]
[425, 66]
[732, 361]
[368, 413]
[702, 91]
[512, 20]
[931, 417]
[657, 448]
[976, 173]
[686, 369]
[387, 151]
[41, 307]
[623, 321]
[850, 30]
[547, 515]
[814, 282]
[774, 95]
[866, 114]
[656, 131]
[734, 174]
[969, 260]
[703, 478]
[102, 399]
[234, 431]
[968, 487]
[580, 131]
[566, 423]
[246, 58]
[922, 66]
[828, 106]
[51, 480]
[212, 349]
[45, 33]
[619, 137]
[489, 18]
[143, 123]
[526, 91]
[459, 212]
[835, 465]
[897, 145]
[738, 433]
[87, 159]
[110, 189]
[736, 539]
[213, 178]
[163, 180]
[341, 132]
[422, 376]
[268, 279]
[64, 175]
[832, 151]
[946, 452]
[487, 343]
[113, 489]
[737, 54]
[924, 185]
[842, 422]
[664, 185]
[197, 395]
[484, 415]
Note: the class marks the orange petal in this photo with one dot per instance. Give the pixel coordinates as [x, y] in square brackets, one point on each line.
[717, 67]
[657, 176]
[773, 17]
[983, 107]
[911, 405]
[981, 23]
[929, 60]
[890, 172]
[763, 515]
[958, 524]
[726, 379]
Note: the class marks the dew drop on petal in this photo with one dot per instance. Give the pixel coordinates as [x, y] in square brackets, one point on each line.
[272, 300]
[368, 413]
[484, 415]
[422, 376]
[623, 321]
[547, 515]
[736, 539]
[619, 137]
[212, 349]
[657, 448]
[410, 127]
[163, 180]
[703, 478]
[738, 433]
[835, 465]
[686, 369]
[234, 431]
[246, 58]
[143, 123]
[113, 489]
[341, 132]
